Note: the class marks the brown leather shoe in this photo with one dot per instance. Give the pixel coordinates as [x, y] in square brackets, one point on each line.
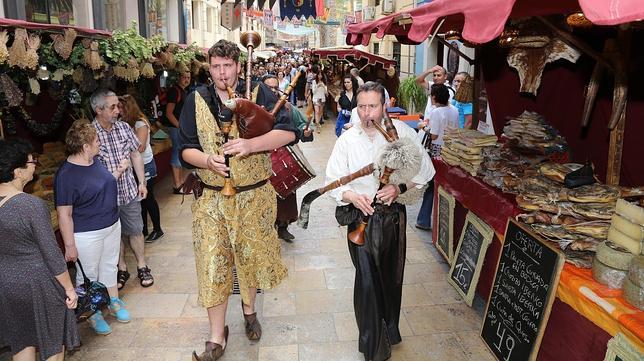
[253, 328]
[213, 350]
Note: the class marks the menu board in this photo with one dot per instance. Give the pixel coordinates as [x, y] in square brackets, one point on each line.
[445, 224]
[524, 288]
[470, 254]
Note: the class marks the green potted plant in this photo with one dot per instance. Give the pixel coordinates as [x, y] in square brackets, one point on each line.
[412, 96]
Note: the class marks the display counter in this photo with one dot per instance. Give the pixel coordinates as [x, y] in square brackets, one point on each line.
[578, 328]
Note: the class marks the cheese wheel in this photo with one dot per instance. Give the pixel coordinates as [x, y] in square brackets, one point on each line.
[623, 240]
[633, 294]
[613, 255]
[636, 271]
[635, 231]
[630, 211]
[611, 277]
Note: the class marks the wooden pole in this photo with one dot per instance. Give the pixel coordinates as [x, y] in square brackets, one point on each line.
[615, 148]
[1, 129]
[478, 85]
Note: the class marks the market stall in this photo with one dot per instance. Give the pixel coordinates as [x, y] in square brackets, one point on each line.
[48, 72]
[545, 116]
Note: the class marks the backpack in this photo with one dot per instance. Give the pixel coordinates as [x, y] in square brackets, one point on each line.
[162, 103]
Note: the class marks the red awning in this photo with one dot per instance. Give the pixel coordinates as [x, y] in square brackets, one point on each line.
[38, 26]
[346, 53]
[483, 21]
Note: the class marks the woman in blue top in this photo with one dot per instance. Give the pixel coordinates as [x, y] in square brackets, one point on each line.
[463, 99]
[86, 203]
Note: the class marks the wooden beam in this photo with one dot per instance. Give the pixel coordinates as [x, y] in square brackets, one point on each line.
[615, 148]
[456, 49]
[403, 19]
[477, 85]
[573, 41]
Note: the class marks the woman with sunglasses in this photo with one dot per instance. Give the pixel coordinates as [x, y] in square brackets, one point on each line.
[37, 297]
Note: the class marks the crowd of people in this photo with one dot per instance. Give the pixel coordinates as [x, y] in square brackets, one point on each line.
[105, 195]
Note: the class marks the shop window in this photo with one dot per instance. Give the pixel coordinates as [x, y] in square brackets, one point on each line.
[42, 11]
[156, 20]
[396, 54]
[108, 15]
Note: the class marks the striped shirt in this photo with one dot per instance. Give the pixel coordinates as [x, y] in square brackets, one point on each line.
[118, 144]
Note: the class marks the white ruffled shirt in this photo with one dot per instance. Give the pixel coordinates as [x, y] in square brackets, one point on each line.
[354, 150]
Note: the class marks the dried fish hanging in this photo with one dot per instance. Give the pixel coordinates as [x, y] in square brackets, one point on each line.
[4, 53]
[63, 44]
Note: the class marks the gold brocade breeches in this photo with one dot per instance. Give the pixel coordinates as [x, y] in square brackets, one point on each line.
[236, 231]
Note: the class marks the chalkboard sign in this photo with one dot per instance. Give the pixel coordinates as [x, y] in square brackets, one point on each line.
[524, 288]
[445, 224]
[466, 268]
[620, 349]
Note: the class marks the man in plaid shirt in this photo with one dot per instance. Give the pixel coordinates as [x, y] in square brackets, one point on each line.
[119, 143]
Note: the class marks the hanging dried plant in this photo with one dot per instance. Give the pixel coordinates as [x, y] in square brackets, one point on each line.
[34, 86]
[64, 43]
[18, 50]
[88, 84]
[12, 94]
[77, 75]
[4, 53]
[91, 57]
[147, 70]
[33, 43]
[182, 68]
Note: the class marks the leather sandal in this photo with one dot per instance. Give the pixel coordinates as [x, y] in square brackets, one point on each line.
[213, 351]
[121, 278]
[252, 325]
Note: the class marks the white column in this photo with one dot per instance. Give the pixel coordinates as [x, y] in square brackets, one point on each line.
[172, 20]
[130, 13]
[2, 9]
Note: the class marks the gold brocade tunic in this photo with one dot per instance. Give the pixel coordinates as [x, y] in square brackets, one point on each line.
[237, 230]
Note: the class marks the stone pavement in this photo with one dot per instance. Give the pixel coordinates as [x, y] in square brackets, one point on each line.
[309, 317]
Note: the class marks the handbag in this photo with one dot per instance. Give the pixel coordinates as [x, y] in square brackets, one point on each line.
[92, 296]
[345, 215]
[581, 177]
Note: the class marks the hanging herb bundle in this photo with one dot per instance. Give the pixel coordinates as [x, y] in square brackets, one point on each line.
[124, 45]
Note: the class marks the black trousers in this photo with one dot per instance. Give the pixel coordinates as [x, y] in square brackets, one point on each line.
[150, 206]
[380, 264]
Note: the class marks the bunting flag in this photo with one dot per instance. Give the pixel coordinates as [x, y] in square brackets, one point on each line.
[223, 1]
[271, 3]
[237, 2]
[260, 4]
[297, 8]
[249, 4]
[319, 7]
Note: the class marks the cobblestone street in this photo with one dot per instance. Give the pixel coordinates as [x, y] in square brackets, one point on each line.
[308, 317]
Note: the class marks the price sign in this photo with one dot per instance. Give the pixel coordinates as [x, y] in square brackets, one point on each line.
[445, 224]
[522, 294]
[470, 254]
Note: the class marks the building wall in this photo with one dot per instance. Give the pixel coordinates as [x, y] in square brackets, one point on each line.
[386, 44]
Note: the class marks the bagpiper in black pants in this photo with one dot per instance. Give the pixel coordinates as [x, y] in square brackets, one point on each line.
[379, 264]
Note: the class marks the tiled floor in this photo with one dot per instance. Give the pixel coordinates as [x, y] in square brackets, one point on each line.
[307, 317]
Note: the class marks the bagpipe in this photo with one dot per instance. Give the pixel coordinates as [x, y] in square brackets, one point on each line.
[253, 120]
[398, 161]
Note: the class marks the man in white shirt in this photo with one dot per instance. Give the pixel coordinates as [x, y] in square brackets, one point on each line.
[380, 261]
[439, 76]
[356, 74]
